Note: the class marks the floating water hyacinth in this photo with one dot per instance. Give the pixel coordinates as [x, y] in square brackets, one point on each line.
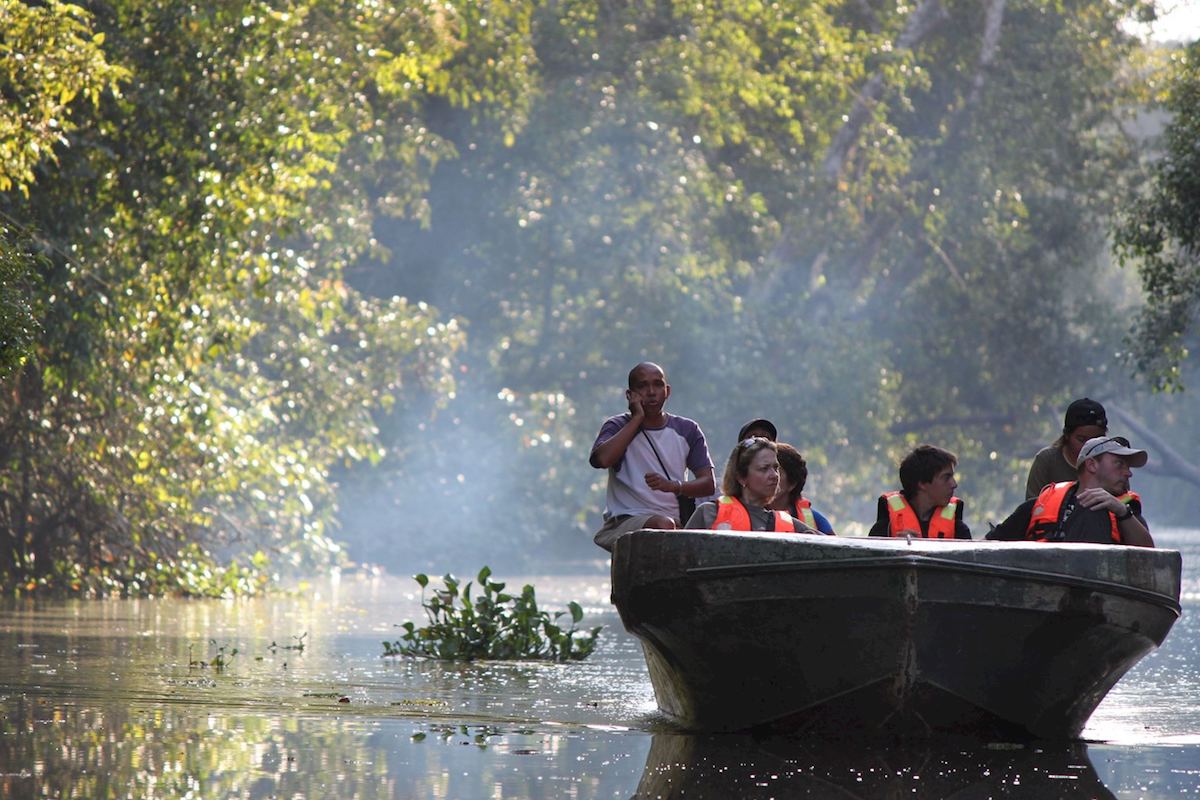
[494, 625]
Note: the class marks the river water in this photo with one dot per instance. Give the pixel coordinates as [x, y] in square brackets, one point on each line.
[147, 699]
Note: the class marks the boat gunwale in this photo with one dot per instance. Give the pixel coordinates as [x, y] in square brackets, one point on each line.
[910, 560]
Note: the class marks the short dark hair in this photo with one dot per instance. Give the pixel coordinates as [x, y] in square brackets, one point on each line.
[922, 464]
[645, 365]
[793, 465]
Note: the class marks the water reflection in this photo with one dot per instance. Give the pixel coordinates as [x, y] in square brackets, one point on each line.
[66, 751]
[747, 767]
[107, 699]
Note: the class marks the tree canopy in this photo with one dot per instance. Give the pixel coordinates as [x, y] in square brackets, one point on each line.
[1160, 233]
[293, 256]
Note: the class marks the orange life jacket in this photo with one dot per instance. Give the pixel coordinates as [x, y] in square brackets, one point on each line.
[804, 513]
[1043, 519]
[901, 516]
[733, 516]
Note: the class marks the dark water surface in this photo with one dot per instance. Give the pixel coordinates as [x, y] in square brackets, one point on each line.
[109, 699]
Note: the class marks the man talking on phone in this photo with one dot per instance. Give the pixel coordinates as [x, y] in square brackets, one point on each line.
[648, 454]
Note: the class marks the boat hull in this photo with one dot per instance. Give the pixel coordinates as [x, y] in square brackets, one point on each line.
[845, 636]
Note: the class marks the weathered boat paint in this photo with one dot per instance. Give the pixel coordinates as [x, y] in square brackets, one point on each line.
[891, 636]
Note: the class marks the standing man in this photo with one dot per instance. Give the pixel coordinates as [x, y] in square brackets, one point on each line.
[1097, 507]
[926, 506]
[648, 453]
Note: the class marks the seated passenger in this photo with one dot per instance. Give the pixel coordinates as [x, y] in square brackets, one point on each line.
[755, 428]
[1097, 507]
[1085, 419]
[927, 506]
[750, 483]
[793, 474]
[758, 427]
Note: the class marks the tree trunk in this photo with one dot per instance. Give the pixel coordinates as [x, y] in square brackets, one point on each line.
[927, 17]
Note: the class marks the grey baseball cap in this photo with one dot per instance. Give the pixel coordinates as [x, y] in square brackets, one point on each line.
[1117, 445]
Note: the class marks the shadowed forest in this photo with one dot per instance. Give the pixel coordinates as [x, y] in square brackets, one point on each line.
[289, 285]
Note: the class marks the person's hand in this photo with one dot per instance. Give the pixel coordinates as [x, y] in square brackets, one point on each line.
[635, 404]
[1096, 499]
[660, 484]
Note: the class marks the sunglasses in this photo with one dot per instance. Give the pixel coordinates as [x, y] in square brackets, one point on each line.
[1121, 440]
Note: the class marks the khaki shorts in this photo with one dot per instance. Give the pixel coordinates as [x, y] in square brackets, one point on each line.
[614, 527]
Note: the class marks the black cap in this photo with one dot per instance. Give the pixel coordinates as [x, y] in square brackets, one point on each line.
[1084, 411]
[758, 423]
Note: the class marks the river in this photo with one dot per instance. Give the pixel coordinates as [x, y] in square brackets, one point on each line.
[148, 699]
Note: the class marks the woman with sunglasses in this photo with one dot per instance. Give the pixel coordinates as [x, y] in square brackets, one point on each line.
[750, 483]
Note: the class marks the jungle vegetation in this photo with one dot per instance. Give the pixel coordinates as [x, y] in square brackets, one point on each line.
[282, 277]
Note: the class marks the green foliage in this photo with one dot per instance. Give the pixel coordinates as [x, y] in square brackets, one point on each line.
[50, 56]
[221, 656]
[1160, 233]
[18, 322]
[262, 257]
[298, 646]
[192, 571]
[875, 244]
[493, 625]
[205, 364]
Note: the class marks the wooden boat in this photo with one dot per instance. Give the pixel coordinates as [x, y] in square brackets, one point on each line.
[845, 636]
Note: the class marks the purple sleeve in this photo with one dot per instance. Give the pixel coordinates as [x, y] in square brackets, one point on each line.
[698, 457]
[608, 430]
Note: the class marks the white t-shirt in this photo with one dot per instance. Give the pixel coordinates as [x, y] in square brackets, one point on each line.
[680, 443]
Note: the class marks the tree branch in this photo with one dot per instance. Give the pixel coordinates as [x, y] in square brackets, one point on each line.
[918, 425]
[1164, 459]
[927, 16]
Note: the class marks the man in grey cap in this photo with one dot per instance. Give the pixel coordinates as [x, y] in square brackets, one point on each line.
[1097, 507]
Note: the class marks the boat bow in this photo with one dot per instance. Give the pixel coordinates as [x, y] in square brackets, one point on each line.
[842, 635]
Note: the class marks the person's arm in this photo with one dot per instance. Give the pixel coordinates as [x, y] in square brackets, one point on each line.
[1134, 530]
[1130, 525]
[699, 463]
[800, 526]
[961, 531]
[1013, 529]
[702, 484]
[703, 517]
[609, 453]
[882, 526]
[823, 525]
